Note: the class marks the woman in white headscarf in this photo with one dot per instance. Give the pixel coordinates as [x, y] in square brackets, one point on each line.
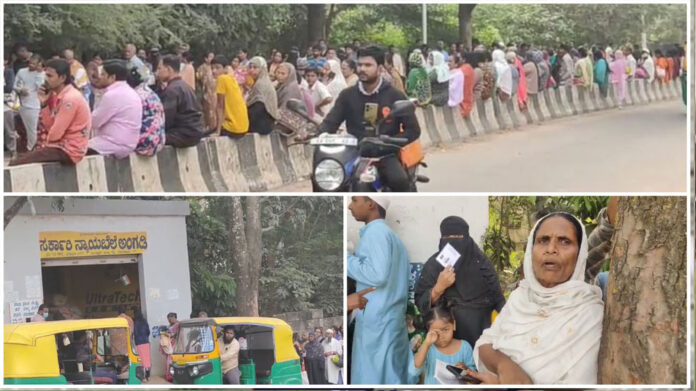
[335, 82]
[438, 71]
[550, 329]
[262, 101]
[503, 74]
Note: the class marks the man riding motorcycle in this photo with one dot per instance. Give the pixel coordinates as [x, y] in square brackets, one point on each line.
[372, 89]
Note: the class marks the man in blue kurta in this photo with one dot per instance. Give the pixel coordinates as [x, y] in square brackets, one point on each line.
[380, 341]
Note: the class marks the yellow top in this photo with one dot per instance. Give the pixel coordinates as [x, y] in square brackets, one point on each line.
[30, 348]
[236, 117]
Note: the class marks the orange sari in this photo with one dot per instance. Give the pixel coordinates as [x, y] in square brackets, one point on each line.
[469, 81]
[663, 63]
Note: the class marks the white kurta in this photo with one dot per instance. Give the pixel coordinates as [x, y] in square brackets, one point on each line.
[331, 368]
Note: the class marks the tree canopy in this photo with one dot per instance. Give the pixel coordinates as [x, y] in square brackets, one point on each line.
[302, 255]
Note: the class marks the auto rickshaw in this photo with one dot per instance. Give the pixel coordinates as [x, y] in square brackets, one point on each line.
[46, 353]
[269, 357]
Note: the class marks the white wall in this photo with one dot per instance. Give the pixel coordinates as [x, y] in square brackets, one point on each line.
[164, 265]
[416, 219]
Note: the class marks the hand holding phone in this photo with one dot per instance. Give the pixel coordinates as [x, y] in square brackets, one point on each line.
[462, 375]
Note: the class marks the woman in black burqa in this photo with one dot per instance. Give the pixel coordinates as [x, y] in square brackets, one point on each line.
[471, 287]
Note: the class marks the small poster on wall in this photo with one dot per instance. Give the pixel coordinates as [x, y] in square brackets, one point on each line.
[21, 310]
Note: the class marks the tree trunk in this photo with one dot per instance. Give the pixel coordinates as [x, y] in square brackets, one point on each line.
[465, 11]
[644, 332]
[316, 19]
[12, 211]
[247, 296]
[255, 247]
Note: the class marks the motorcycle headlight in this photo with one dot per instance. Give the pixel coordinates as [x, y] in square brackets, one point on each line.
[329, 174]
[171, 371]
[194, 371]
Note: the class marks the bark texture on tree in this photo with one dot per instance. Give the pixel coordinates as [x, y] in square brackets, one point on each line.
[644, 331]
[465, 34]
[245, 243]
[316, 19]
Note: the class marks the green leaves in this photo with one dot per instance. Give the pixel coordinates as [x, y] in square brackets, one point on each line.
[302, 267]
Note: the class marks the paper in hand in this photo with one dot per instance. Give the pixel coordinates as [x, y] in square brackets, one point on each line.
[449, 256]
[443, 375]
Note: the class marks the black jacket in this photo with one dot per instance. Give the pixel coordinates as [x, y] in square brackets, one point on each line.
[350, 107]
[181, 107]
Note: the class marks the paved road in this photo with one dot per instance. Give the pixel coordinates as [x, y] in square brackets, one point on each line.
[637, 149]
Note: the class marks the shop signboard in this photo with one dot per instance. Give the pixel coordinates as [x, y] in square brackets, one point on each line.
[65, 244]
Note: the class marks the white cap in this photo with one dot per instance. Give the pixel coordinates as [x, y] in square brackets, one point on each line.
[381, 201]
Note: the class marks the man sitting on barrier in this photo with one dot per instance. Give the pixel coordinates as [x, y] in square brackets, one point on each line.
[182, 111]
[64, 120]
[117, 119]
[350, 107]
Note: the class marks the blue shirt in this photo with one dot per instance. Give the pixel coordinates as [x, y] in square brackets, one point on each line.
[380, 342]
[464, 355]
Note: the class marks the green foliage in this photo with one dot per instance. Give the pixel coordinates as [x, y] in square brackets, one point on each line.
[225, 28]
[301, 261]
[508, 214]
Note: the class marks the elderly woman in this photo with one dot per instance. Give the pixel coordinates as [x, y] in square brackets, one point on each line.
[550, 329]
[262, 101]
[438, 71]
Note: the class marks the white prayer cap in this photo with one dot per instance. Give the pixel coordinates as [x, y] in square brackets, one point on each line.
[381, 201]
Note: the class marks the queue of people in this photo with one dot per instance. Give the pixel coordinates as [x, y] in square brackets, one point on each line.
[321, 355]
[178, 104]
[458, 291]
[515, 72]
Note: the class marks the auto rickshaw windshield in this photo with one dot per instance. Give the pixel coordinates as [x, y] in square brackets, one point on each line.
[194, 339]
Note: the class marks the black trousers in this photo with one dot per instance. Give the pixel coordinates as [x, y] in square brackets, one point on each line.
[182, 137]
[470, 323]
[394, 174]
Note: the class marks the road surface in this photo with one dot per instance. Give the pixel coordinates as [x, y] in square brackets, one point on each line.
[637, 149]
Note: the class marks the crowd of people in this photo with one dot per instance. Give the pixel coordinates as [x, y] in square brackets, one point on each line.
[143, 101]
[559, 290]
[457, 77]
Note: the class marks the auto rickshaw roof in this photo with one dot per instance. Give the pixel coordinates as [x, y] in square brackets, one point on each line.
[271, 322]
[27, 333]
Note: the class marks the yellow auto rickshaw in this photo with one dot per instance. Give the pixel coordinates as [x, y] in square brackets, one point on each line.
[267, 354]
[48, 352]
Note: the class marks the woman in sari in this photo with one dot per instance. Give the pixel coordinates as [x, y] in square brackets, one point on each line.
[287, 89]
[601, 73]
[550, 329]
[456, 81]
[207, 89]
[262, 102]
[618, 77]
[418, 83]
[438, 73]
[335, 82]
[468, 87]
[584, 72]
[503, 74]
[662, 67]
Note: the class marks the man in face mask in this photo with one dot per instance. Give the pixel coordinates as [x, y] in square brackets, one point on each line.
[469, 283]
[41, 315]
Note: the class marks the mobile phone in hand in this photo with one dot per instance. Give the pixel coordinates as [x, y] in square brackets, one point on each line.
[462, 376]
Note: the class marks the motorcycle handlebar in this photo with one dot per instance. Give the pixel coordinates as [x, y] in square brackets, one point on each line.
[401, 141]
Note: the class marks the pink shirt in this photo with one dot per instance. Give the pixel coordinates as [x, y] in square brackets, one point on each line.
[116, 121]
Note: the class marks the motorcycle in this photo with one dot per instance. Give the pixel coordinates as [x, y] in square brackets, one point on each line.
[341, 163]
